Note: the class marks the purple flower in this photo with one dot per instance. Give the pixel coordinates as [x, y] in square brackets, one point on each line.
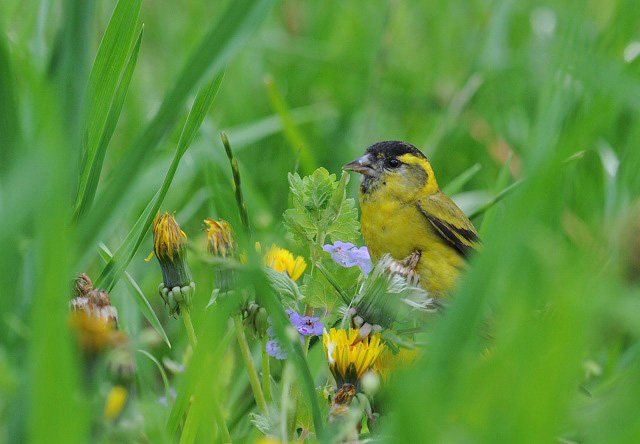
[306, 326]
[274, 349]
[348, 255]
[309, 326]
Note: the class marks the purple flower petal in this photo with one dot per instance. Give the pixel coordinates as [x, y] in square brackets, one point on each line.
[309, 326]
[348, 255]
[274, 349]
[294, 317]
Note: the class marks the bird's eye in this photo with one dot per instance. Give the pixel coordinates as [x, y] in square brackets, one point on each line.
[393, 163]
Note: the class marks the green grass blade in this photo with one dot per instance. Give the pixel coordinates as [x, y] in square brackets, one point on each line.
[501, 184]
[297, 142]
[93, 166]
[117, 265]
[457, 184]
[141, 300]
[9, 123]
[163, 374]
[240, 20]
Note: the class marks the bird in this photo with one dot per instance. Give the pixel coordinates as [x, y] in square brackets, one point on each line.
[405, 214]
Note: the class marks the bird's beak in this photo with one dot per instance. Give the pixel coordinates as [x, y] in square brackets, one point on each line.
[363, 165]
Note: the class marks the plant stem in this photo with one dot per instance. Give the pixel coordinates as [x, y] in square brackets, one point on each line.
[284, 402]
[248, 363]
[186, 317]
[266, 371]
[222, 425]
[295, 395]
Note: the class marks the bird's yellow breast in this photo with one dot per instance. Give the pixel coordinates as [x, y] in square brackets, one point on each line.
[398, 228]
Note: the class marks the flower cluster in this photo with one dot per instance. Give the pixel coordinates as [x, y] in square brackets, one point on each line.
[348, 255]
[306, 326]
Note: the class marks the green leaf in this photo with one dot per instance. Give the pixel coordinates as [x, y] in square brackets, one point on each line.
[339, 194]
[318, 292]
[346, 227]
[320, 206]
[141, 300]
[299, 225]
[116, 266]
[283, 285]
[222, 40]
[107, 80]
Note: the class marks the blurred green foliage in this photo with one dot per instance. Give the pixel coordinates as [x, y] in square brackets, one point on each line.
[540, 342]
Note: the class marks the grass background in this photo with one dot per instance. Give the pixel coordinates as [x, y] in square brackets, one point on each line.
[514, 87]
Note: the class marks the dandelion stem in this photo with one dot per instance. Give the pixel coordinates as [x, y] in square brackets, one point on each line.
[266, 372]
[188, 325]
[248, 363]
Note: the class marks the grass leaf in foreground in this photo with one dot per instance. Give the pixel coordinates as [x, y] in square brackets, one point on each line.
[223, 39]
[108, 83]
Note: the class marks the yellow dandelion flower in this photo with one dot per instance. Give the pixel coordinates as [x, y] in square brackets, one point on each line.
[116, 399]
[220, 235]
[168, 238]
[282, 260]
[349, 358]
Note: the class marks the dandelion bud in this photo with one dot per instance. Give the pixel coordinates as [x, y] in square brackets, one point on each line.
[169, 246]
[220, 244]
[255, 318]
[220, 237]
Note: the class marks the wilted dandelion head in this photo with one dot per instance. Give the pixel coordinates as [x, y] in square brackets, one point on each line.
[282, 260]
[82, 285]
[96, 303]
[349, 358]
[220, 237]
[168, 238]
[94, 334]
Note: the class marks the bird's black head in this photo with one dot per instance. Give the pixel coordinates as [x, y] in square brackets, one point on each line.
[393, 149]
[383, 160]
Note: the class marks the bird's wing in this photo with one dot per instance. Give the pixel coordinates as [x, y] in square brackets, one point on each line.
[450, 222]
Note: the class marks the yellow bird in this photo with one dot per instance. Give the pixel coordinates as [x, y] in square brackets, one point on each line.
[405, 214]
